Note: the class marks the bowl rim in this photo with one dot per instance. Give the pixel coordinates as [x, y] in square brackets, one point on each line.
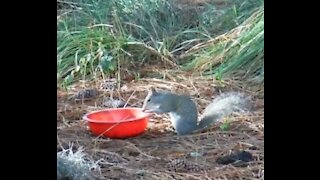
[85, 117]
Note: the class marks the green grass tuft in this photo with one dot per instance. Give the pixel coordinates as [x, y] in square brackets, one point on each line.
[95, 36]
[241, 50]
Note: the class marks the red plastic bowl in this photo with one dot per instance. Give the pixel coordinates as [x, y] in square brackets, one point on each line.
[117, 123]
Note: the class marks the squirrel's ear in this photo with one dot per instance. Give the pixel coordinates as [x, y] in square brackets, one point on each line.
[152, 90]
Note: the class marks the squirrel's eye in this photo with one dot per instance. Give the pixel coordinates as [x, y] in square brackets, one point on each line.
[149, 100]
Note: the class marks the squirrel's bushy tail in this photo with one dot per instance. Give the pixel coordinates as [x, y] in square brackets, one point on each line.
[222, 106]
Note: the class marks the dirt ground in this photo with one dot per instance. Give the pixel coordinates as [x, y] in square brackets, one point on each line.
[159, 152]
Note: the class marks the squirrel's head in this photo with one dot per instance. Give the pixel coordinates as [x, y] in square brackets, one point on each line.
[157, 102]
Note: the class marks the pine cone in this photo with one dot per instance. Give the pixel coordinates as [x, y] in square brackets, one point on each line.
[113, 103]
[109, 84]
[183, 166]
[85, 94]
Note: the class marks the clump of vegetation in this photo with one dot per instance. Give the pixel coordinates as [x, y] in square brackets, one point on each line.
[97, 37]
[76, 165]
[241, 49]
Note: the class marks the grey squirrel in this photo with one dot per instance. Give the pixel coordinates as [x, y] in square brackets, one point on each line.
[183, 111]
